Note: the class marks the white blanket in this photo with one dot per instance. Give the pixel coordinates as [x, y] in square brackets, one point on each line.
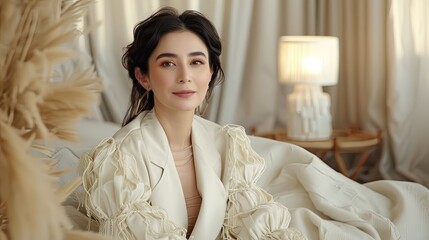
[327, 205]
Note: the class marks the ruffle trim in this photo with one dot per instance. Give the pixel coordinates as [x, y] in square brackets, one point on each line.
[251, 211]
[158, 225]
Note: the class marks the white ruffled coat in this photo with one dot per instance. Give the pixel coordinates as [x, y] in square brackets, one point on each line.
[133, 189]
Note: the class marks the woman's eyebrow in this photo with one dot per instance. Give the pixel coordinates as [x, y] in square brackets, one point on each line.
[172, 55]
[193, 54]
[166, 55]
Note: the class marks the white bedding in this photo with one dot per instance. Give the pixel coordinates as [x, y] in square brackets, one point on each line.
[327, 205]
[324, 204]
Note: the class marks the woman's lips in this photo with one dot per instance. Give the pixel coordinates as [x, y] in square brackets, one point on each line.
[184, 94]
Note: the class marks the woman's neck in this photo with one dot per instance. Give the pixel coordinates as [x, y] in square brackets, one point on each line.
[177, 126]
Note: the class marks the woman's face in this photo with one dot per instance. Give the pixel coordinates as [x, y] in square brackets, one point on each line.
[179, 72]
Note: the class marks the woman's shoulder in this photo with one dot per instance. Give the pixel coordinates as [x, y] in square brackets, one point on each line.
[206, 122]
[115, 146]
[213, 126]
[131, 131]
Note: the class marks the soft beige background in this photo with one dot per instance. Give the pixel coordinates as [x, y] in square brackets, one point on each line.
[383, 80]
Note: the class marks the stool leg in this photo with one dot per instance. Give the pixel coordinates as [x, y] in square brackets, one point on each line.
[341, 164]
[360, 164]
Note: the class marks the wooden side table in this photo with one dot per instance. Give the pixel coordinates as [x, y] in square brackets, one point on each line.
[351, 140]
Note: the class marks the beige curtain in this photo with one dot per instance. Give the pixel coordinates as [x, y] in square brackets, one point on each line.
[407, 90]
[379, 86]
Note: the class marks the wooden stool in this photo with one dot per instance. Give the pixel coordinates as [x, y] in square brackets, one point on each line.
[351, 140]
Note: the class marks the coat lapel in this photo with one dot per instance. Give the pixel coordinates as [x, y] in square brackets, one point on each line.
[167, 190]
[208, 166]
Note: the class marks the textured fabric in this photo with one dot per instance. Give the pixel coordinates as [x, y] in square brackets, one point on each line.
[184, 161]
[134, 191]
[325, 204]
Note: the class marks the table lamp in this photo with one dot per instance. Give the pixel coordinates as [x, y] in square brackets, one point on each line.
[308, 63]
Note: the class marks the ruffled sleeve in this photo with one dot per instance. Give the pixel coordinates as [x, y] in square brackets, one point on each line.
[251, 211]
[117, 194]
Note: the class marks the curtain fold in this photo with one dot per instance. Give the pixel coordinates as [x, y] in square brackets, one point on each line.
[234, 32]
[407, 92]
[383, 63]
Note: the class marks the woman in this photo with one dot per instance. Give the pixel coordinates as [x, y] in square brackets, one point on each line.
[168, 173]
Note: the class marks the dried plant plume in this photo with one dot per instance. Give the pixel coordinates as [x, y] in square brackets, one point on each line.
[36, 38]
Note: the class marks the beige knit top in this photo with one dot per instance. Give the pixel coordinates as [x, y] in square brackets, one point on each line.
[184, 161]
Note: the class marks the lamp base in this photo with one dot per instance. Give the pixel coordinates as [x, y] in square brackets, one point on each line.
[308, 113]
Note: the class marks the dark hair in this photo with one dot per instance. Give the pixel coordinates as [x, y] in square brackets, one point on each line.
[146, 37]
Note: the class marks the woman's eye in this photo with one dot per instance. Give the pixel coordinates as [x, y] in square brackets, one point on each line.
[197, 62]
[167, 64]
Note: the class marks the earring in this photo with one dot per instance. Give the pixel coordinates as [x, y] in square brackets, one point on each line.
[147, 96]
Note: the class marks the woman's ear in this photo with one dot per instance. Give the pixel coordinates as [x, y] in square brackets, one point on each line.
[142, 78]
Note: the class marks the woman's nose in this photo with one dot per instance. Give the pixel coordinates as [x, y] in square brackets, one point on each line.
[184, 74]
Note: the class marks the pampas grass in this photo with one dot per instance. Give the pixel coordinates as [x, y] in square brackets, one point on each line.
[34, 35]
